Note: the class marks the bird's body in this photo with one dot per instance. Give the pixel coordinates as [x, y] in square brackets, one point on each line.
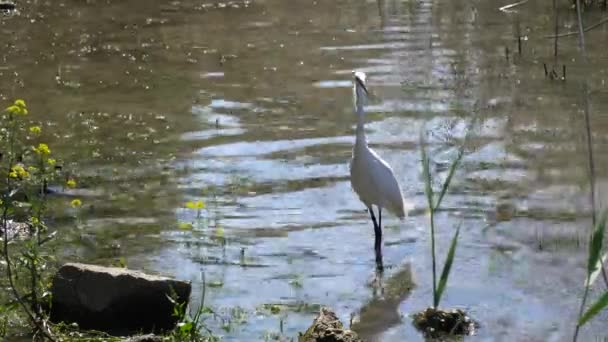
[374, 181]
[371, 177]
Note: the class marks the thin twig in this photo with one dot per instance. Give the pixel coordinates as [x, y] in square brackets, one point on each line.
[556, 30]
[574, 33]
[518, 37]
[509, 6]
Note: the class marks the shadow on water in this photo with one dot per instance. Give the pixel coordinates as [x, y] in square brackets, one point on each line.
[382, 311]
[247, 106]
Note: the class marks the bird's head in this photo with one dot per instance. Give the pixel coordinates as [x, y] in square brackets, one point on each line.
[360, 88]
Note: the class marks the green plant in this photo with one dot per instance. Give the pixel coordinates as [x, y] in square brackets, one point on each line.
[25, 169]
[594, 268]
[434, 205]
[191, 326]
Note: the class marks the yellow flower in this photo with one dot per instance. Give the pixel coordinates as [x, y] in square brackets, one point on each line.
[76, 203]
[51, 161]
[71, 183]
[35, 220]
[195, 205]
[42, 149]
[20, 103]
[18, 108]
[18, 171]
[35, 129]
[14, 110]
[185, 226]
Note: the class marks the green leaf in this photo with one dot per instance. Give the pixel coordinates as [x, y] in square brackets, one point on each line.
[447, 266]
[456, 162]
[593, 277]
[426, 173]
[186, 327]
[594, 309]
[595, 245]
[453, 168]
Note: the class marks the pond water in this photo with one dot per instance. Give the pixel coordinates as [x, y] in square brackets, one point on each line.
[246, 105]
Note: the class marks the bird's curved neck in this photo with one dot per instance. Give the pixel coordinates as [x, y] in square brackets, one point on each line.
[361, 138]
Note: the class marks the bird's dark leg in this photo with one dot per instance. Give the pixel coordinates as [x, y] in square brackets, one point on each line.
[378, 240]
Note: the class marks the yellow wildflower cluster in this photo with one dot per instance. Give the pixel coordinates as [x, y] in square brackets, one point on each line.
[35, 130]
[42, 149]
[51, 161]
[75, 203]
[195, 205]
[18, 171]
[18, 108]
[71, 183]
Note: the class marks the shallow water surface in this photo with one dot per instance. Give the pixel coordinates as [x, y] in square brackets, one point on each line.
[246, 105]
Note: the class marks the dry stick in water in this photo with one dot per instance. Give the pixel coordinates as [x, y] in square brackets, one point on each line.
[556, 13]
[573, 33]
[506, 8]
[518, 37]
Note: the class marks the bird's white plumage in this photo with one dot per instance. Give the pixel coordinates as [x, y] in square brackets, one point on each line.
[371, 177]
[374, 182]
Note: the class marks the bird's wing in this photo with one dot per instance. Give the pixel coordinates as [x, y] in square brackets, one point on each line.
[386, 185]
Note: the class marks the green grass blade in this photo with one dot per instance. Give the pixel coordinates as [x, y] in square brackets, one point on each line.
[447, 266]
[456, 162]
[595, 245]
[594, 309]
[446, 184]
[426, 173]
[598, 270]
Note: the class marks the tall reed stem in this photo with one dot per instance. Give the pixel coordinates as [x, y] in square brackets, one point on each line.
[435, 297]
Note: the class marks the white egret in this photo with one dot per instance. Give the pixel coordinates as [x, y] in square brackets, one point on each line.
[371, 177]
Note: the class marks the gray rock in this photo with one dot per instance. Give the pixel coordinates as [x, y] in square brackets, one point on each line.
[328, 328]
[115, 300]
